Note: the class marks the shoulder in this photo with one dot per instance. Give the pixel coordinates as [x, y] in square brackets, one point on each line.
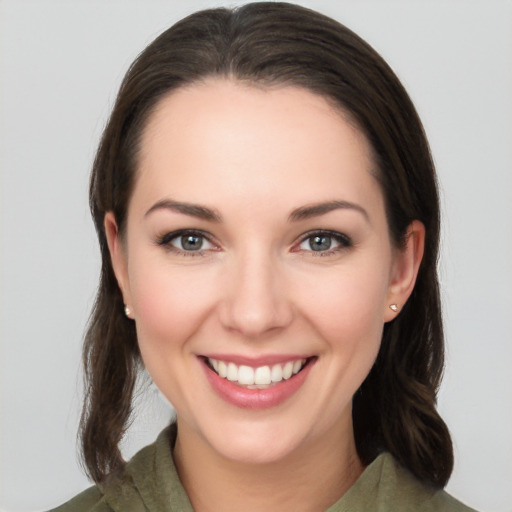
[118, 492]
[386, 486]
[90, 500]
[148, 482]
[406, 491]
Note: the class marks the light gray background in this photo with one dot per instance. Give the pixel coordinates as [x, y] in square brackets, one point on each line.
[61, 63]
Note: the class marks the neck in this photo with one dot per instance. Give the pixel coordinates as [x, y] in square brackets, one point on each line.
[310, 479]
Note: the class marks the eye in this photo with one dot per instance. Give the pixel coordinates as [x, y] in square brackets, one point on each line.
[186, 242]
[324, 242]
[190, 242]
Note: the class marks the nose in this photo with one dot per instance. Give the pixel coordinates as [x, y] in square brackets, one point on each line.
[255, 299]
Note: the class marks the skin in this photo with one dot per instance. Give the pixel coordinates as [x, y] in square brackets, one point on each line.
[256, 288]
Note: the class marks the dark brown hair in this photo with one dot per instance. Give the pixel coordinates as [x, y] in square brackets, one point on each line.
[272, 44]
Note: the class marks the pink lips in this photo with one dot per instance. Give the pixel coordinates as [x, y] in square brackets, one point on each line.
[256, 398]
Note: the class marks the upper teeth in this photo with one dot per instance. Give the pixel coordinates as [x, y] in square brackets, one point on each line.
[260, 376]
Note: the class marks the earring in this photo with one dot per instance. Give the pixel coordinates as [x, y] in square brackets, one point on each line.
[127, 311]
[393, 307]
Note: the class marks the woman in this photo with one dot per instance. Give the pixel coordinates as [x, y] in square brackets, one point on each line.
[268, 217]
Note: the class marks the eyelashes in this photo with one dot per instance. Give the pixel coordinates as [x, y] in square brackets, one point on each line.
[187, 242]
[190, 242]
[323, 242]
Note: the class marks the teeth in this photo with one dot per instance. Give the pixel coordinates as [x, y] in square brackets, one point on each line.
[262, 376]
[277, 373]
[232, 372]
[287, 370]
[223, 369]
[256, 378]
[245, 375]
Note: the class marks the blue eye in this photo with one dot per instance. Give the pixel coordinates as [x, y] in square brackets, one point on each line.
[186, 242]
[324, 242]
[189, 242]
[320, 242]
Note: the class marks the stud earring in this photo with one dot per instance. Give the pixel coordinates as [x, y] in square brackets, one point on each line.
[127, 311]
[393, 307]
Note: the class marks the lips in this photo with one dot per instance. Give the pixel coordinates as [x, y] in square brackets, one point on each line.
[256, 384]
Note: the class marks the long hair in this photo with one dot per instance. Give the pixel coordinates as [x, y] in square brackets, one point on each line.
[271, 44]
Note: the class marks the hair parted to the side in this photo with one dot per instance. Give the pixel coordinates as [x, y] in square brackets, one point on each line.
[274, 44]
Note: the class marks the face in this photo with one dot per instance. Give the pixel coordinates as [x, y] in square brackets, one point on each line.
[258, 266]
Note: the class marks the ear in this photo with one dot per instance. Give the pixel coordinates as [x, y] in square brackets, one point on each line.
[117, 256]
[405, 269]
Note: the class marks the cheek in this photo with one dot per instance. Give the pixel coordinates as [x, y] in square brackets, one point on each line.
[170, 304]
[346, 307]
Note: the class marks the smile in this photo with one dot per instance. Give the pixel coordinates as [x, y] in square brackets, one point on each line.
[260, 377]
[256, 384]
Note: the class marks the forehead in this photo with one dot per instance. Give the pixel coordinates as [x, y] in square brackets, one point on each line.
[243, 104]
[225, 136]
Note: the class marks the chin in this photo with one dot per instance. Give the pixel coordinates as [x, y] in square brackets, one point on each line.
[256, 442]
[255, 452]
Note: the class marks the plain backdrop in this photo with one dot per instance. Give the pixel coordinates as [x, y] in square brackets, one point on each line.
[61, 63]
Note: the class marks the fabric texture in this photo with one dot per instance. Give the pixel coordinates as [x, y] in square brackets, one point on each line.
[150, 483]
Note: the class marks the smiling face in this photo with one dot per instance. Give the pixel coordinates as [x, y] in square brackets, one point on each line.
[258, 267]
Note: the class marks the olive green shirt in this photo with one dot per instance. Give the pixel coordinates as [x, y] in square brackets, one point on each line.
[150, 483]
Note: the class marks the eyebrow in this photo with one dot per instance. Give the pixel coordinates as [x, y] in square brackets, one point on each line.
[194, 210]
[315, 210]
[301, 213]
